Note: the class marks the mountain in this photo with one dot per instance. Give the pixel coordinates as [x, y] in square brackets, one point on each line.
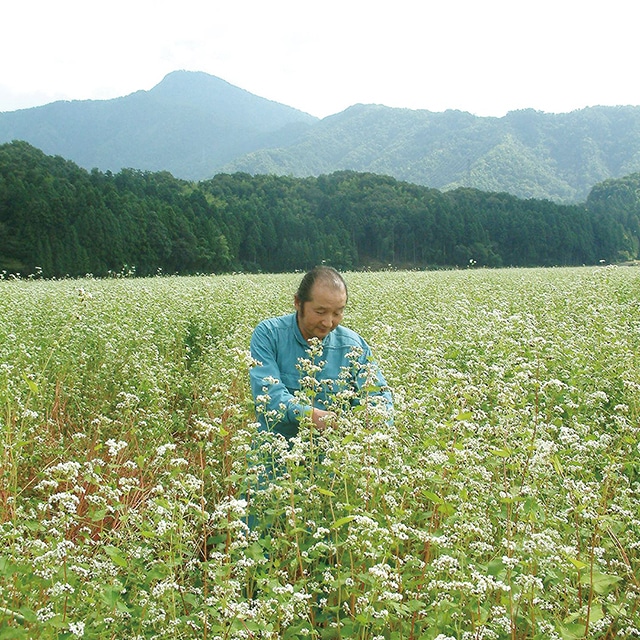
[526, 153]
[195, 125]
[189, 124]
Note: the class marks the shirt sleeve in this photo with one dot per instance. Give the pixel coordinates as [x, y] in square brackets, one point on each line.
[274, 402]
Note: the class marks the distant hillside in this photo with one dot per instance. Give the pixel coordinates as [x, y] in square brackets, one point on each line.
[190, 124]
[526, 153]
[195, 125]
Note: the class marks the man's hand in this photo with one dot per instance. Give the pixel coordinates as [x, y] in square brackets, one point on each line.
[322, 419]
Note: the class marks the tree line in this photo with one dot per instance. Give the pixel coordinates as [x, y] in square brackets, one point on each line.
[58, 220]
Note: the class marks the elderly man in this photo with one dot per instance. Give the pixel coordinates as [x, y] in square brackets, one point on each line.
[279, 346]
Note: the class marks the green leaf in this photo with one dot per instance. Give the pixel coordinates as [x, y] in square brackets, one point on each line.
[163, 502]
[13, 633]
[255, 551]
[616, 610]
[157, 573]
[57, 622]
[415, 605]
[601, 583]
[434, 497]
[557, 465]
[596, 613]
[116, 556]
[110, 595]
[496, 568]
[121, 607]
[32, 385]
[446, 508]
[98, 514]
[325, 492]
[571, 631]
[510, 499]
[341, 521]
[33, 525]
[578, 564]
[6, 567]
[442, 505]
[28, 614]
[530, 506]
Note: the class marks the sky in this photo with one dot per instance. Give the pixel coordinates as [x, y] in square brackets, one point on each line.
[486, 57]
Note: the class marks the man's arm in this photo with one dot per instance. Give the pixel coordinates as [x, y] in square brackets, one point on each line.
[272, 398]
[370, 381]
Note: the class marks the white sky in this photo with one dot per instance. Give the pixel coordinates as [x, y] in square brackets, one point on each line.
[322, 56]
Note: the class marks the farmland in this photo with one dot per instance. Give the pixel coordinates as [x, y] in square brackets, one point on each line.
[503, 501]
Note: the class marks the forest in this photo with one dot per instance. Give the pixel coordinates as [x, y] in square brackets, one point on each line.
[58, 220]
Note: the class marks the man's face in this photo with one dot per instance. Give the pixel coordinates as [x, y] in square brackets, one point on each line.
[323, 312]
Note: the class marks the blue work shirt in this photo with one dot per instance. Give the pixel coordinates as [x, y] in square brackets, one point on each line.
[278, 348]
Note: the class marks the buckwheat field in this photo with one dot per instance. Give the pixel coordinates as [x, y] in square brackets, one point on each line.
[503, 501]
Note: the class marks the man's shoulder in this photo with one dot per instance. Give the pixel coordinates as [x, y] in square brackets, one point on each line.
[276, 324]
[344, 336]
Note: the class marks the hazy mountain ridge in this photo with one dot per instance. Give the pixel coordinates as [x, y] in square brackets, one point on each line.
[528, 153]
[195, 125]
[189, 124]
